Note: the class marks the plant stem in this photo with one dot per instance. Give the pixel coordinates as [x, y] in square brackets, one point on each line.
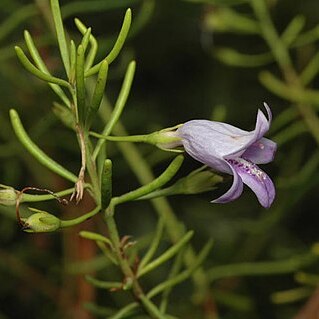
[150, 308]
[80, 219]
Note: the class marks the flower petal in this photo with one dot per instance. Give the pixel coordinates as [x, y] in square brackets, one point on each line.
[235, 190]
[261, 128]
[262, 124]
[217, 139]
[261, 152]
[257, 180]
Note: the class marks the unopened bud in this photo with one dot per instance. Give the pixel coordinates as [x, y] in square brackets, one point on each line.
[41, 222]
[8, 195]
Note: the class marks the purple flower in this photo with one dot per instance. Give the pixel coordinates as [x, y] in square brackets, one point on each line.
[231, 150]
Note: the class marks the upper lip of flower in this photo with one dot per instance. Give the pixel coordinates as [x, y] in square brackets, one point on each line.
[229, 149]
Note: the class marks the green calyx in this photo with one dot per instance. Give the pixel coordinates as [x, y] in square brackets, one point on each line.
[41, 222]
[8, 195]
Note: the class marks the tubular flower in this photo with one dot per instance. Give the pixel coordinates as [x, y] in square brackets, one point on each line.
[231, 150]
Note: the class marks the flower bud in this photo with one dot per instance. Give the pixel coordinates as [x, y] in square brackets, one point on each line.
[41, 222]
[8, 196]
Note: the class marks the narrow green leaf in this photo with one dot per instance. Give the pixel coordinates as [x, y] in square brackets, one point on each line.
[118, 44]
[103, 284]
[35, 151]
[93, 44]
[98, 93]
[96, 237]
[165, 177]
[291, 93]
[125, 311]
[311, 70]
[183, 275]
[293, 30]
[72, 63]
[56, 12]
[154, 244]
[282, 119]
[119, 105]
[97, 310]
[80, 85]
[290, 132]
[234, 58]
[106, 184]
[86, 39]
[175, 269]
[168, 254]
[42, 67]
[262, 268]
[151, 308]
[35, 71]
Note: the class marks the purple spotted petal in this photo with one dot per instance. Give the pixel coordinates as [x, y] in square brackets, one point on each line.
[261, 152]
[235, 190]
[257, 180]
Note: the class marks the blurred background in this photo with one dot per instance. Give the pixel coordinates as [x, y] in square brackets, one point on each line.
[207, 59]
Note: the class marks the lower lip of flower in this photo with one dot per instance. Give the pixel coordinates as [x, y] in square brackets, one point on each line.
[247, 166]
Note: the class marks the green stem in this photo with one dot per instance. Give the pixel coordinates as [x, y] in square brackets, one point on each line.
[91, 167]
[130, 138]
[80, 219]
[28, 198]
[125, 267]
